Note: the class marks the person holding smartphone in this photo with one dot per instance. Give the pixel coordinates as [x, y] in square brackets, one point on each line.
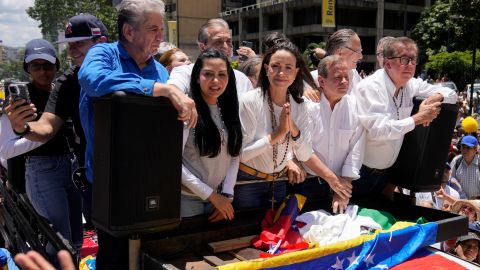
[48, 168]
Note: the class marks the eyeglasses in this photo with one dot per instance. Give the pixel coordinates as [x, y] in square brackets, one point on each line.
[405, 60]
[45, 66]
[359, 51]
[467, 208]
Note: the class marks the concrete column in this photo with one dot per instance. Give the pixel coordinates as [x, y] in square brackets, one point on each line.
[285, 17]
[380, 17]
[260, 29]
[240, 28]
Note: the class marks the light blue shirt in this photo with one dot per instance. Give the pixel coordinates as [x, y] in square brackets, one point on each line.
[108, 68]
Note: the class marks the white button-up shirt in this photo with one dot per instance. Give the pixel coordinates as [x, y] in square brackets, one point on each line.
[257, 125]
[338, 138]
[378, 114]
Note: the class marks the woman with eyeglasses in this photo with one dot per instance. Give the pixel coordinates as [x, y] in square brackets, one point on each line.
[212, 148]
[46, 170]
[275, 123]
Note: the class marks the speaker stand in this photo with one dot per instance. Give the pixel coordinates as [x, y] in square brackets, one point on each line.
[133, 252]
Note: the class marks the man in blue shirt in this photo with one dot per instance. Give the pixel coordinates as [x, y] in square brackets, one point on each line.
[127, 65]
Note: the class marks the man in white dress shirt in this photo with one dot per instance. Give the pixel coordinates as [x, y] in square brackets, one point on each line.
[215, 33]
[338, 138]
[384, 102]
[345, 43]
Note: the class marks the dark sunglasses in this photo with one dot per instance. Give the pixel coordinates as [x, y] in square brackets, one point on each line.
[44, 66]
[79, 179]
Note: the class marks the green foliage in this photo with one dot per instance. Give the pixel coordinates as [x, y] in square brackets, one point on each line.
[14, 70]
[456, 65]
[53, 15]
[448, 27]
[308, 51]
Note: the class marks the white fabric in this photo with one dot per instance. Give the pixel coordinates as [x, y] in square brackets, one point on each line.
[325, 229]
[338, 138]
[353, 78]
[256, 126]
[202, 175]
[427, 196]
[12, 145]
[180, 77]
[378, 114]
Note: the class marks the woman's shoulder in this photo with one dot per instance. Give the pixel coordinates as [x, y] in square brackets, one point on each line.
[252, 96]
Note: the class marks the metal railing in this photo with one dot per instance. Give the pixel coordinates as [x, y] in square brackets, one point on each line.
[252, 7]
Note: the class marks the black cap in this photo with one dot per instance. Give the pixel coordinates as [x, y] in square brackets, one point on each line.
[83, 26]
[40, 49]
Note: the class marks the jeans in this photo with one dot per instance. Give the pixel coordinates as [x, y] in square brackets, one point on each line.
[368, 183]
[51, 191]
[312, 188]
[257, 194]
[193, 206]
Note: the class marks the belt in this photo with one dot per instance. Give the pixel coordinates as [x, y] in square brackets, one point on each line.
[375, 171]
[262, 175]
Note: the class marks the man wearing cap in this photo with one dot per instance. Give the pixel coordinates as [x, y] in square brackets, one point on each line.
[465, 167]
[48, 168]
[127, 65]
[82, 32]
[466, 247]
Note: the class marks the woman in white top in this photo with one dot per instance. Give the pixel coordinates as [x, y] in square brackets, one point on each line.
[210, 156]
[275, 127]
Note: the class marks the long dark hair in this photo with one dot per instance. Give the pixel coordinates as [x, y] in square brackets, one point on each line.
[207, 135]
[296, 88]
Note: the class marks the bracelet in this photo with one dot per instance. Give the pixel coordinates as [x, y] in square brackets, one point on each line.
[26, 128]
[296, 137]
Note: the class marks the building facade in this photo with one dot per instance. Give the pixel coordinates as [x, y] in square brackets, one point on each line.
[301, 21]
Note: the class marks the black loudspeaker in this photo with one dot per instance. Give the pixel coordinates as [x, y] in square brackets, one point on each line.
[421, 161]
[137, 164]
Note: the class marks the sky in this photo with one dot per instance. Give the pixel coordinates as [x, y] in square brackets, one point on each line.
[16, 27]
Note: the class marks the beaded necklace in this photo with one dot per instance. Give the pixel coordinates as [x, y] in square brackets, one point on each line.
[398, 106]
[274, 126]
[222, 129]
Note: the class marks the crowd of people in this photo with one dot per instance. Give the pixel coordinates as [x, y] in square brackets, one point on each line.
[244, 130]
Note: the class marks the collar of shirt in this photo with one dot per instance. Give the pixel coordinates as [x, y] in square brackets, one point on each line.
[389, 83]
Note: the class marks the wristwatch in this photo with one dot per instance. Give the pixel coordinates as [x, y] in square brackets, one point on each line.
[226, 195]
[26, 129]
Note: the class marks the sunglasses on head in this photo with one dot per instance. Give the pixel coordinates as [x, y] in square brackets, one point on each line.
[79, 179]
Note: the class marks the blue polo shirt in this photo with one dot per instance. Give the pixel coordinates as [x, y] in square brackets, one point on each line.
[108, 68]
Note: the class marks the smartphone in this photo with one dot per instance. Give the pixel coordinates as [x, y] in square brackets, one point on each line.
[18, 91]
[248, 44]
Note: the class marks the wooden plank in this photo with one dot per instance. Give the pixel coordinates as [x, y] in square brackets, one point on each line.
[200, 265]
[217, 261]
[231, 244]
[246, 254]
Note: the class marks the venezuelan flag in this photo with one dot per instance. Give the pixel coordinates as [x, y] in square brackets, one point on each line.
[382, 250]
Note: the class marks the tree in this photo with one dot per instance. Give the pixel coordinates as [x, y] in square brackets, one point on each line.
[447, 26]
[53, 15]
[456, 64]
